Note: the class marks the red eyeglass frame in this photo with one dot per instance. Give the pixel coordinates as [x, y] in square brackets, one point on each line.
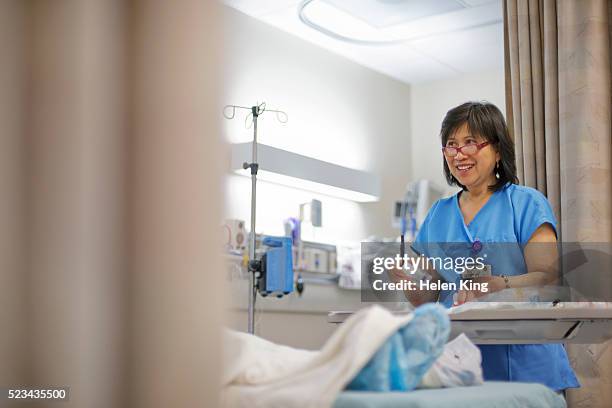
[459, 149]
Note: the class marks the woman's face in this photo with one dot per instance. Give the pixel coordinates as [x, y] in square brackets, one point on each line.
[474, 169]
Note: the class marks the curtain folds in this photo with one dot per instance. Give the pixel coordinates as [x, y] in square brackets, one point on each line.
[533, 79]
[110, 187]
[558, 74]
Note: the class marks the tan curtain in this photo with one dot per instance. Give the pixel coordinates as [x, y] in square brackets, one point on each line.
[109, 209]
[558, 73]
[532, 79]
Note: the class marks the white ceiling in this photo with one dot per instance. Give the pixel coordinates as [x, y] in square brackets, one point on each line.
[444, 38]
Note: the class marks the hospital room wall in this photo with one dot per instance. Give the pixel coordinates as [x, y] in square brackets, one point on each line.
[431, 101]
[339, 112]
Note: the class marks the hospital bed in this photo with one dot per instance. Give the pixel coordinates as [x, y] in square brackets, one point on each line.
[498, 323]
[489, 395]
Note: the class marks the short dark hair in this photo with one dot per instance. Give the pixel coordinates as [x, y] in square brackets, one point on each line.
[486, 120]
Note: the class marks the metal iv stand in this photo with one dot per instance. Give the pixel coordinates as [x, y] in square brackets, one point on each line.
[254, 264]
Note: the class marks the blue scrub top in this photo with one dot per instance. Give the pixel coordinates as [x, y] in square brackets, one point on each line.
[508, 219]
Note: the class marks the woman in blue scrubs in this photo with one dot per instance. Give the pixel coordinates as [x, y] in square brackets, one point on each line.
[493, 215]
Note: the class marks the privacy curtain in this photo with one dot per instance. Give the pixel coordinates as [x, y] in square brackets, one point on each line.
[558, 90]
[109, 189]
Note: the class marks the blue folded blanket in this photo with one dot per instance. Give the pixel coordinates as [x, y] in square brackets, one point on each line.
[405, 357]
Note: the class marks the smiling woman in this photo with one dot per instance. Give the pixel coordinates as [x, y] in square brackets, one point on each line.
[492, 209]
[477, 128]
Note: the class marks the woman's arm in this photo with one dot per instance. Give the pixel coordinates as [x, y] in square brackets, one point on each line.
[541, 257]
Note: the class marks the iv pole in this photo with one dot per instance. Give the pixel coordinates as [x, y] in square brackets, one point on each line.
[255, 111]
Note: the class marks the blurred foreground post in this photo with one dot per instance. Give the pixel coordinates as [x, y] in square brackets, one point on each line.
[110, 192]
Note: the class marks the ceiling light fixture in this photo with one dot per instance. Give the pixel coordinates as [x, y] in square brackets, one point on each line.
[304, 19]
[341, 37]
[307, 173]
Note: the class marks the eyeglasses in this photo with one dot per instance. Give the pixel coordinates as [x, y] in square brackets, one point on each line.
[468, 149]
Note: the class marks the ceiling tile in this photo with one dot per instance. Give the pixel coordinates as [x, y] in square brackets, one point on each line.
[384, 13]
[477, 2]
[435, 56]
[468, 51]
[258, 8]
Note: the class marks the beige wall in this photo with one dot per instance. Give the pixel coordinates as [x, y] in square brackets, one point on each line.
[338, 111]
[430, 102]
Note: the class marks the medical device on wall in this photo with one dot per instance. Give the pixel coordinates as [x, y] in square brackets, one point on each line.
[312, 212]
[236, 235]
[419, 197]
[279, 258]
[312, 261]
[410, 212]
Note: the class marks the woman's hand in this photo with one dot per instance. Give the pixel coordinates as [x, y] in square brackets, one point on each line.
[415, 296]
[399, 275]
[493, 284]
